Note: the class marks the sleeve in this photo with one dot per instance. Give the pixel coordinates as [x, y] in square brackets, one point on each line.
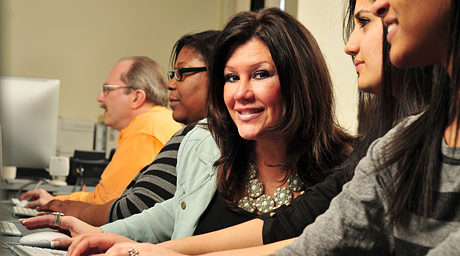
[134, 153]
[156, 183]
[289, 221]
[356, 222]
[153, 225]
[450, 245]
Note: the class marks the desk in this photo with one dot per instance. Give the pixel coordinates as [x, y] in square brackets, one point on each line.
[9, 190]
[6, 209]
[15, 189]
[6, 213]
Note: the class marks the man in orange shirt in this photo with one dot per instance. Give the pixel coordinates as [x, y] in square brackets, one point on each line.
[134, 97]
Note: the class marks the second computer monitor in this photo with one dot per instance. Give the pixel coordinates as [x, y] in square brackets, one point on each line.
[29, 119]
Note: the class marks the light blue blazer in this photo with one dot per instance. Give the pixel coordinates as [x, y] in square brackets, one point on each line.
[196, 185]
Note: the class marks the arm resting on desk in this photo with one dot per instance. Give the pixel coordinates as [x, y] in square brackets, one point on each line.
[247, 234]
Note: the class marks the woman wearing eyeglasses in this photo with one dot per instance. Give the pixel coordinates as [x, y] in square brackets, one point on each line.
[188, 81]
[156, 181]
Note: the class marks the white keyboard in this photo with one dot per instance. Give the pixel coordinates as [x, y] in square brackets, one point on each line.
[8, 228]
[17, 202]
[24, 212]
[37, 251]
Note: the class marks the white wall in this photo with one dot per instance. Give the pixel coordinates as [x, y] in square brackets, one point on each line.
[79, 42]
[324, 20]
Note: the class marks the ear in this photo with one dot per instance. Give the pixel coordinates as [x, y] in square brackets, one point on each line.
[139, 99]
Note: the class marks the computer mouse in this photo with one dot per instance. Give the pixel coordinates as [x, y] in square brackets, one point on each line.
[41, 239]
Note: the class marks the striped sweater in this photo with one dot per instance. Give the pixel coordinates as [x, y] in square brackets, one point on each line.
[155, 183]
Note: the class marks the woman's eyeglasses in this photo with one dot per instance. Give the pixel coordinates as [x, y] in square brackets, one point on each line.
[179, 72]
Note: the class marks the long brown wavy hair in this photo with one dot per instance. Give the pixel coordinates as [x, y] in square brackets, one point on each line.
[315, 142]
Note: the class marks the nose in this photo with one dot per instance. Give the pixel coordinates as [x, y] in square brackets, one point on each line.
[100, 97]
[171, 85]
[380, 8]
[244, 91]
[352, 46]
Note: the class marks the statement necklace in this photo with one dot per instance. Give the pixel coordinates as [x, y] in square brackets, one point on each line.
[265, 203]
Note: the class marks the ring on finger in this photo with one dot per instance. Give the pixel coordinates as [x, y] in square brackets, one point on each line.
[133, 252]
[57, 218]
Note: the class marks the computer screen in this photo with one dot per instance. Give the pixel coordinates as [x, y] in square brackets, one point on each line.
[29, 119]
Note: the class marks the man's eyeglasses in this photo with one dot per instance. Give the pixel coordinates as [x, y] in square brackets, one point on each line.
[179, 72]
[106, 88]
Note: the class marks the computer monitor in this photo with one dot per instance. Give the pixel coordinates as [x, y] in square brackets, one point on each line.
[29, 119]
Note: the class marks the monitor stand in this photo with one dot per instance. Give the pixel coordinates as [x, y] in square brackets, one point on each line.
[58, 181]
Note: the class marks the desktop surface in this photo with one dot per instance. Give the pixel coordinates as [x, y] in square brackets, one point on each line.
[6, 214]
[14, 189]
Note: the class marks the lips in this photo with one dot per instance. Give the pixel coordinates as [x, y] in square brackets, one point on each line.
[358, 64]
[173, 101]
[391, 22]
[249, 114]
[251, 111]
[392, 28]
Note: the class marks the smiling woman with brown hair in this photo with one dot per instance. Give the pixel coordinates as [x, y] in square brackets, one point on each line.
[271, 113]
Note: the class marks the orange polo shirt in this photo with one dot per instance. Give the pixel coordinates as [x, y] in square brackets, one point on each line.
[138, 145]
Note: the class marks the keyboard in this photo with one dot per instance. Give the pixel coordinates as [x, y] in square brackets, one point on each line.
[17, 202]
[8, 228]
[38, 251]
[24, 212]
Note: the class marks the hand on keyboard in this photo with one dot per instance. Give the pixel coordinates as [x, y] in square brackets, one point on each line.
[36, 197]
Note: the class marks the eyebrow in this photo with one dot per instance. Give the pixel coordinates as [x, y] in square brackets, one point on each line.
[358, 14]
[252, 66]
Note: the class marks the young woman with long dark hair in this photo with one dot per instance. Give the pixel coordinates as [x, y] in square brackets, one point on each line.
[403, 197]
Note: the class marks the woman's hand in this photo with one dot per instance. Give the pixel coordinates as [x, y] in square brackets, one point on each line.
[88, 244]
[68, 224]
[123, 249]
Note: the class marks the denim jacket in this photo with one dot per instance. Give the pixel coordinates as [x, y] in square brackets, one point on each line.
[196, 184]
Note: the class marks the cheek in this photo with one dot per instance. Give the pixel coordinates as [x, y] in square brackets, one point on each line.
[274, 99]
[371, 45]
[278, 105]
[228, 97]
[199, 94]
[371, 48]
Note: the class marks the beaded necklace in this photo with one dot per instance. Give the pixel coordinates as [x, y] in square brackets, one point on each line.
[265, 203]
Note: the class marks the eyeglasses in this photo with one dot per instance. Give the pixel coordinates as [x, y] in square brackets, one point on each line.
[179, 72]
[106, 88]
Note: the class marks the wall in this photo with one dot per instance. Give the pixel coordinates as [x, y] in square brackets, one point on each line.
[324, 20]
[78, 42]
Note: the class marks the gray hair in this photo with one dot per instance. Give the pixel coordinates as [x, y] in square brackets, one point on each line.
[147, 75]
